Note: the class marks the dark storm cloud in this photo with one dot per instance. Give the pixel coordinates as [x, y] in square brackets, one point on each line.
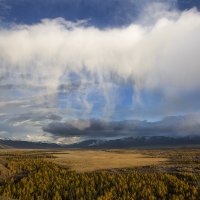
[95, 129]
[169, 126]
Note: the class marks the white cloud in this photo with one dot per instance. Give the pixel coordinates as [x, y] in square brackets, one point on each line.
[162, 55]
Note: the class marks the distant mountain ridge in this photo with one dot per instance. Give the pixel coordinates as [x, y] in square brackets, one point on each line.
[129, 142]
[4, 144]
[143, 142]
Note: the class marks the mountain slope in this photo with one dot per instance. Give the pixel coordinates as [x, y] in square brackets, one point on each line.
[142, 142]
[128, 142]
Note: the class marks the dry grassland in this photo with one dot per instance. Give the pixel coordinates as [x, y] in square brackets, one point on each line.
[88, 160]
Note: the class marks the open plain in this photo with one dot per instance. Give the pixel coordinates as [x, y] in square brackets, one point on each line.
[91, 160]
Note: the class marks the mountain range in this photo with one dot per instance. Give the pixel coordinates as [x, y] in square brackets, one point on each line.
[130, 142]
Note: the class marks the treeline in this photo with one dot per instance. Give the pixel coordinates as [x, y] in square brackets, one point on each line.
[37, 179]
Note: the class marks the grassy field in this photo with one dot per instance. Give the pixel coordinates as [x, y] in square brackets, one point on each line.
[91, 160]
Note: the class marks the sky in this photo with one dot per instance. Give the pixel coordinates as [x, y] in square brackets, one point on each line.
[78, 69]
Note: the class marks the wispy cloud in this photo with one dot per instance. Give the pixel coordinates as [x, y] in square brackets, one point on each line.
[73, 67]
[162, 56]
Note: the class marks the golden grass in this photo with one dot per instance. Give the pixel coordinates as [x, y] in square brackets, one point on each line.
[91, 160]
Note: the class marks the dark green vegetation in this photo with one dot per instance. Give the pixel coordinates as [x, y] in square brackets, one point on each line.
[31, 175]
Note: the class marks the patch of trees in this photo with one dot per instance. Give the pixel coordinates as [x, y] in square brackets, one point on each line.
[36, 178]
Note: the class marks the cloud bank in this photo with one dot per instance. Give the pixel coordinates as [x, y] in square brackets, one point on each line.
[172, 126]
[76, 70]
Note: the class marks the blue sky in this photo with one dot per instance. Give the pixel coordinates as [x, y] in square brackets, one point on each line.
[111, 13]
[116, 60]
